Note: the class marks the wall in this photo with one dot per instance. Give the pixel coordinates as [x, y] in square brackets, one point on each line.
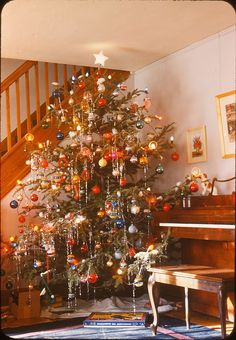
[182, 88]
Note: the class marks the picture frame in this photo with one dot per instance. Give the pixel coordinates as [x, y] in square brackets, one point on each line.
[196, 145]
[226, 115]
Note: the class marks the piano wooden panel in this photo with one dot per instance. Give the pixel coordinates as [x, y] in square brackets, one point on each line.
[207, 234]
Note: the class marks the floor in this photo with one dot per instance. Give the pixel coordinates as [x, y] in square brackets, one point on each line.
[196, 317]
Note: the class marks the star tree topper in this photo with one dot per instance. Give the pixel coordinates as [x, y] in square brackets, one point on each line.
[100, 58]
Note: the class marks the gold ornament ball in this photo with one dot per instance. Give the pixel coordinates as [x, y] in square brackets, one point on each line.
[101, 213]
[109, 263]
[71, 101]
[143, 160]
[29, 137]
[102, 162]
[138, 282]
[147, 120]
[75, 179]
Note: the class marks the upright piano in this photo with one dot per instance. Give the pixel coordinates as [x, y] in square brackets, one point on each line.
[205, 227]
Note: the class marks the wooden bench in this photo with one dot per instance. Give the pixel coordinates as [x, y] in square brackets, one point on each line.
[210, 279]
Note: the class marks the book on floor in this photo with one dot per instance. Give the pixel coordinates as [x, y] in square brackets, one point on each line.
[111, 319]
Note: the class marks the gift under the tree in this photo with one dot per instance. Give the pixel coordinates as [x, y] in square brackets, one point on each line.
[25, 303]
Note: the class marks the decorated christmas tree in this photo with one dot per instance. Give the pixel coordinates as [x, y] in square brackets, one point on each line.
[91, 194]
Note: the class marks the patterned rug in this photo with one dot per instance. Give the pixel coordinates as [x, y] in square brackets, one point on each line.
[169, 328]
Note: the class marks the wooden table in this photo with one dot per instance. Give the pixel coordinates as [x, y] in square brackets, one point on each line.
[205, 278]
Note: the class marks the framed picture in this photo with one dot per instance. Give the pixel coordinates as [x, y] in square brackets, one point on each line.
[196, 145]
[226, 112]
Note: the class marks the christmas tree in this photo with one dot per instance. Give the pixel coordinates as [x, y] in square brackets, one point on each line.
[91, 193]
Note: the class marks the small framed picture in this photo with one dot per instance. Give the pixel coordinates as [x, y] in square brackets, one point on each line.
[196, 145]
[226, 113]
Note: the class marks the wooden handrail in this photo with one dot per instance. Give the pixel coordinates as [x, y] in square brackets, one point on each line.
[16, 74]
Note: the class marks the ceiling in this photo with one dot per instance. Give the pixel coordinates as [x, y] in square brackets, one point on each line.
[132, 33]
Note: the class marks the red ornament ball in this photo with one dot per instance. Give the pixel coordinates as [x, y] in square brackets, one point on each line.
[70, 242]
[85, 175]
[120, 154]
[102, 102]
[132, 251]
[96, 189]
[34, 197]
[175, 156]
[151, 199]
[81, 85]
[44, 163]
[194, 187]
[123, 181]
[21, 230]
[92, 278]
[166, 207]
[68, 187]
[84, 248]
[21, 219]
[108, 156]
[107, 135]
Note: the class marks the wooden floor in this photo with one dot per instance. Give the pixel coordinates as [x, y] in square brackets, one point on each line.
[196, 317]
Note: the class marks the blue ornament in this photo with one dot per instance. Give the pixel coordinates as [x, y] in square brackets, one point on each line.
[120, 223]
[14, 204]
[56, 93]
[73, 267]
[114, 204]
[139, 124]
[59, 135]
[13, 244]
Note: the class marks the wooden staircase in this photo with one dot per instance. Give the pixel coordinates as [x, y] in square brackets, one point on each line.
[13, 157]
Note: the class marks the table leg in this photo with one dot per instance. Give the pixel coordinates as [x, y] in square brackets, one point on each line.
[154, 296]
[187, 316]
[222, 309]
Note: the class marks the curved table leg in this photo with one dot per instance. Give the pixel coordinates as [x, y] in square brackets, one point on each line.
[154, 296]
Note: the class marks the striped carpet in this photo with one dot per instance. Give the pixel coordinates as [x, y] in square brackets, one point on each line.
[169, 328]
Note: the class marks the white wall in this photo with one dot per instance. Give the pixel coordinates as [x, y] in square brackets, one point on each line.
[182, 88]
